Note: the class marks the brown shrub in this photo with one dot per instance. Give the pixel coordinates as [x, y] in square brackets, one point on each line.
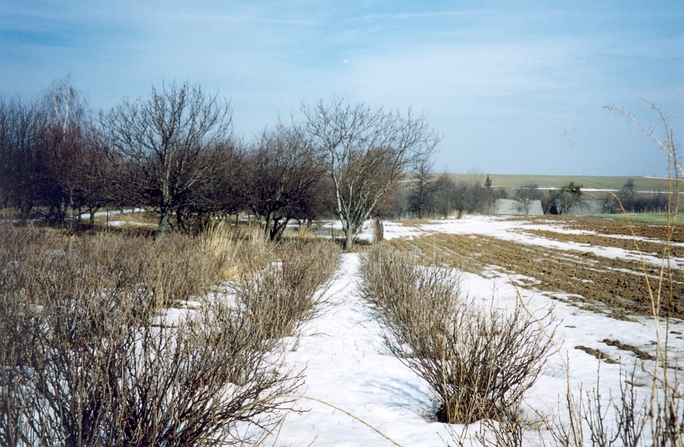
[479, 361]
[282, 296]
[86, 360]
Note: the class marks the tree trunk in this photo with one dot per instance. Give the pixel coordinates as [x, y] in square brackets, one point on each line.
[349, 238]
[163, 222]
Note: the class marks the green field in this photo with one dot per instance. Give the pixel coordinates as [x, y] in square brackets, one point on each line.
[510, 181]
[654, 218]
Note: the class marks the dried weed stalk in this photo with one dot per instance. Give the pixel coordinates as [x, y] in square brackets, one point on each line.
[661, 413]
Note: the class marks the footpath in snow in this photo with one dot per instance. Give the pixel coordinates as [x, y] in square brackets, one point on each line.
[348, 366]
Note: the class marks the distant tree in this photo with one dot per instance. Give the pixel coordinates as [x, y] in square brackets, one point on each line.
[477, 198]
[43, 153]
[421, 192]
[628, 199]
[367, 151]
[74, 158]
[166, 143]
[525, 195]
[463, 199]
[220, 194]
[444, 195]
[488, 182]
[490, 196]
[96, 175]
[21, 130]
[562, 200]
[470, 195]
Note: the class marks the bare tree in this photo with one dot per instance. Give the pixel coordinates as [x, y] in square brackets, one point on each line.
[563, 199]
[165, 142]
[74, 159]
[220, 192]
[475, 193]
[284, 171]
[50, 157]
[21, 127]
[631, 200]
[524, 196]
[444, 197]
[367, 151]
[421, 193]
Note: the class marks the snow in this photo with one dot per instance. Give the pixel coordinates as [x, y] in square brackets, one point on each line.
[509, 230]
[348, 366]
[357, 394]
[113, 213]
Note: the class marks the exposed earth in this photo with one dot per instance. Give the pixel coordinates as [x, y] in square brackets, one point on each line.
[596, 264]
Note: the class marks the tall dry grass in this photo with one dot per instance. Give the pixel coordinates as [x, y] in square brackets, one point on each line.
[241, 249]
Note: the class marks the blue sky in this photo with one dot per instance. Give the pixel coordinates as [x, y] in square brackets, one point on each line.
[514, 87]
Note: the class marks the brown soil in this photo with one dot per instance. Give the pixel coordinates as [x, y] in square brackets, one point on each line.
[646, 247]
[597, 353]
[618, 234]
[633, 349]
[616, 287]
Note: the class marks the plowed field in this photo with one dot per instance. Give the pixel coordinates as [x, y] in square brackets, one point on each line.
[593, 263]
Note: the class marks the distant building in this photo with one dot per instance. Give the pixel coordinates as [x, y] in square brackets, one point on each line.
[510, 207]
[587, 207]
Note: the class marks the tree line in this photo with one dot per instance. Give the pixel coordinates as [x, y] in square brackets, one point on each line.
[175, 152]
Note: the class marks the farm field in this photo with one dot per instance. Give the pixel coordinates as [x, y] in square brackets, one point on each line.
[513, 181]
[594, 263]
[587, 270]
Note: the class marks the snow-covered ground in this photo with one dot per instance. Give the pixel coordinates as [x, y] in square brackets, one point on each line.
[358, 394]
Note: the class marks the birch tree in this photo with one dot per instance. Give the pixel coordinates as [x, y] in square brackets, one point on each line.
[367, 151]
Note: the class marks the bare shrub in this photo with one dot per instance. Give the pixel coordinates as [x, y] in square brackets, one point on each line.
[479, 361]
[282, 296]
[87, 360]
[413, 303]
[507, 432]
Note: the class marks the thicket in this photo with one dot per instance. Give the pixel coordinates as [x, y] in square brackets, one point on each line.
[116, 341]
[631, 201]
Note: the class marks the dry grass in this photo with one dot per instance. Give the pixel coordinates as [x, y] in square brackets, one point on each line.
[242, 249]
[283, 295]
[86, 359]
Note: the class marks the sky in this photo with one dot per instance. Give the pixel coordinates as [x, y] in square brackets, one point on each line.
[513, 87]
